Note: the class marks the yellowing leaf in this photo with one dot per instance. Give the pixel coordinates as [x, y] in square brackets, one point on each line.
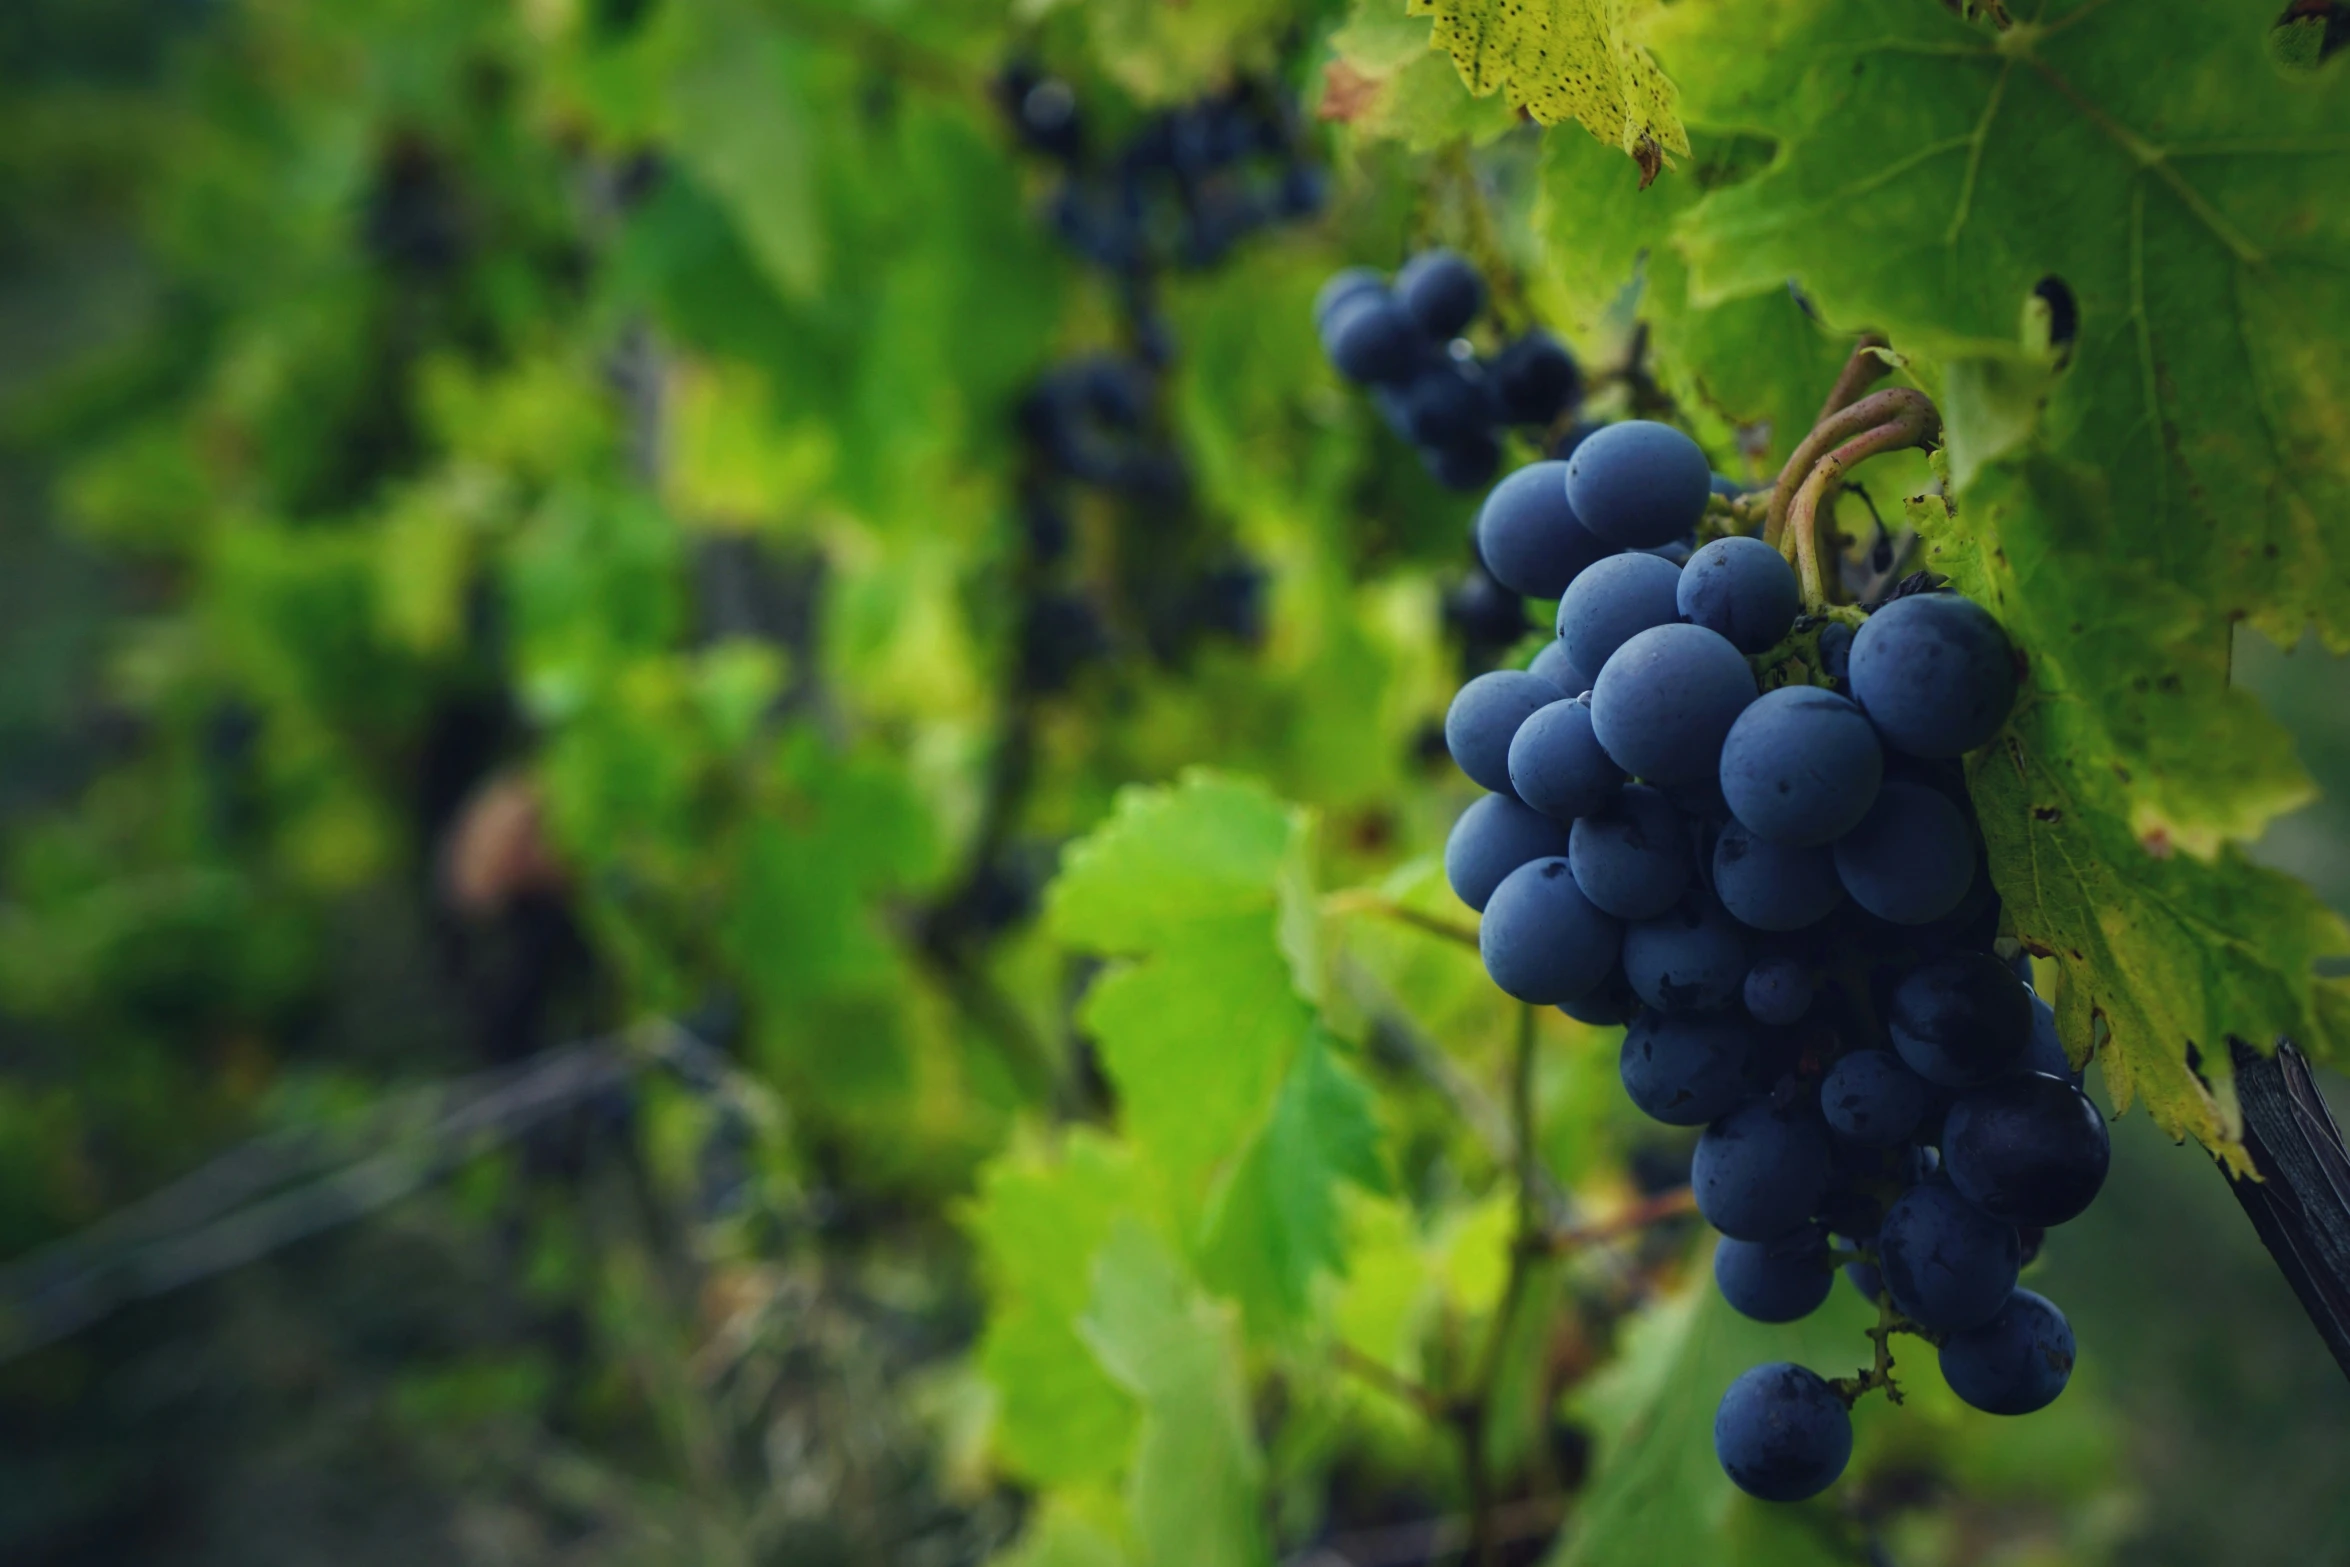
[2164, 955]
[1565, 60]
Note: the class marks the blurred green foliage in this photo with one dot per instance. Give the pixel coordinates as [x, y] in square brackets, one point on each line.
[514, 532]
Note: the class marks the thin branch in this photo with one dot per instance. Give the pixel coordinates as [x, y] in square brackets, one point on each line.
[1425, 1399]
[229, 1213]
[1662, 1208]
[1362, 900]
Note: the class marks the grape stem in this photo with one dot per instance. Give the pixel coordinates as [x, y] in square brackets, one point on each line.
[1863, 370]
[1362, 900]
[1664, 1206]
[1880, 1374]
[1841, 425]
[1913, 422]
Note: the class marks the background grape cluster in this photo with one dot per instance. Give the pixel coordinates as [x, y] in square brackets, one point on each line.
[1404, 338]
[1782, 894]
[1177, 192]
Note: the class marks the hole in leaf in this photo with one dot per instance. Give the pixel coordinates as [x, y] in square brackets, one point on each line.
[2309, 33]
[2058, 311]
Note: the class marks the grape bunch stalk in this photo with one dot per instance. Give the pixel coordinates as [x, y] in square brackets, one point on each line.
[1729, 813]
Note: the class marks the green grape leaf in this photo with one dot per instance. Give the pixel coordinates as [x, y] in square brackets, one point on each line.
[1194, 1489]
[1038, 1223]
[2164, 956]
[740, 127]
[1748, 372]
[1564, 60]
[1918, 159]
[1198, 1032]
[1169, 859]
[1276, 1224]
[1196, 1038]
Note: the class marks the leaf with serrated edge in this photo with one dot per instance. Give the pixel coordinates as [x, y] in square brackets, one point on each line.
[1930, 173]
[1564, 60]
[1167, 857]
[2164, 957]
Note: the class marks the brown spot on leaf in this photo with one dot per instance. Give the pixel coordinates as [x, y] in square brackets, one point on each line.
[2047, 813]
[1347, 94]
[2157, 843]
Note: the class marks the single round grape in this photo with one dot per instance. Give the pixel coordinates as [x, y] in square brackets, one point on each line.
[1759, 1171]
[2027, 1149]
[1870, 1097]
[1779, 989]
[1466, 464]
[1442, 407]
[1639, 483]
[1442, 290]
[1674, 551]
[1781, 1280]
[1534, 379]
[1371, 341]
[1557, 766]
[1541, 938]
[1773, 886]
[1610, 1002]
[1801, 766]
[1742, 589]
[2046, 1051]
[1557, 666]
[1484, 718]
[2014, 1364]
[1782, 1434]
[1529, 536]
[1693, 958]
[1910, 861]
[1613, 600]
[1960, 1020]
[1346, 284]
[1935, 673]
[1948, 1263]
[1662, 704]
[1686, 1069]
[1632, 858]
[1865, 1278]
[1493, 837]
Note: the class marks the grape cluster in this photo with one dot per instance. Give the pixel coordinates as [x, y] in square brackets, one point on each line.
[1179, 192]
[1404, 340]
[1185, 186]
[1783, 895]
